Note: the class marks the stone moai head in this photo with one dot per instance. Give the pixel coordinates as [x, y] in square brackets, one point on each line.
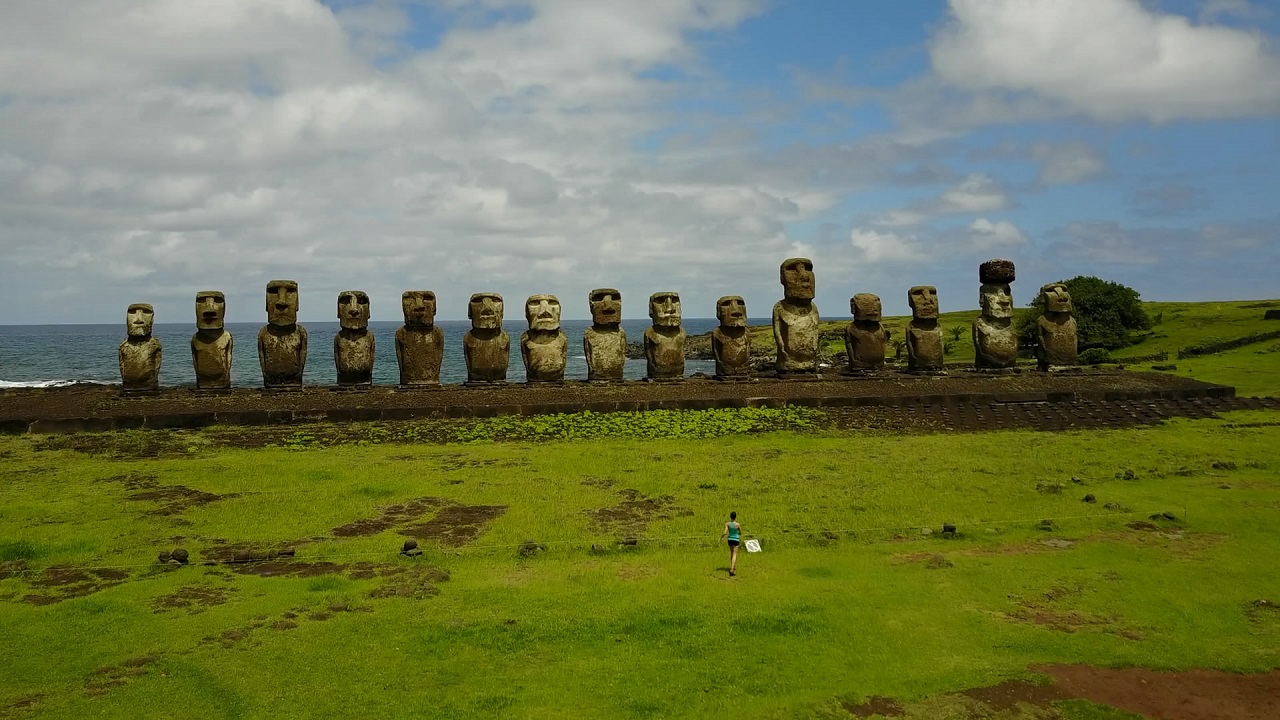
[419, 308]
[211, 308]
[664, 308]
[866, 307]
[139, 319]
[796, 275]
[282, 303]
[353, 310]
[542, 312]
[1056, 298]
[995, 297]
[484, 310]
[924, 302]
[606, 306]
[731, 311]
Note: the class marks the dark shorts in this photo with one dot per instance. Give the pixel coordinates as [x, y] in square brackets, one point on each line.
[733, 543]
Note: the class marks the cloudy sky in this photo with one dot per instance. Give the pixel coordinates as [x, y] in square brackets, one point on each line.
[153, 148]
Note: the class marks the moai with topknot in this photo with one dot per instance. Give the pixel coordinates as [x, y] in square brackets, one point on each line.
[995, 342]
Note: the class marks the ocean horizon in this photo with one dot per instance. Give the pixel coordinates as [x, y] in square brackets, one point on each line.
[57, 355]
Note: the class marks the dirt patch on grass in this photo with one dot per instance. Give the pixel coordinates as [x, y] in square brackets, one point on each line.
[63, 583]
[102, 680]
[415, 582]
[21, 705]
[289, 568]
[171, 500]
[192, 598]
[1185, 695]
[1009, 694]
[456, 525]
[390, 517]
[631, 516]
[874, 705]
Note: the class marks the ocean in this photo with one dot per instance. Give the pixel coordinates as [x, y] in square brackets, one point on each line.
[53, 355]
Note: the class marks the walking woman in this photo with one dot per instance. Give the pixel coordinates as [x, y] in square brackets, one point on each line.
[733, 531]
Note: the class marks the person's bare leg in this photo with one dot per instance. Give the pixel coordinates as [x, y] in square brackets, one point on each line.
[733, 560]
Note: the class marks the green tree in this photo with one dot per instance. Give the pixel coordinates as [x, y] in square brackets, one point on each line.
[1106, 312]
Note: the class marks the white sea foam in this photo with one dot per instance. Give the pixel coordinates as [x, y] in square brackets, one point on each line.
[50, 383]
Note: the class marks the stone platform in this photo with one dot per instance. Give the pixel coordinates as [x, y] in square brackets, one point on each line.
[97, 408]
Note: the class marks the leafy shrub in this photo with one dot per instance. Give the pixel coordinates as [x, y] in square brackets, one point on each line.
[1095, 356]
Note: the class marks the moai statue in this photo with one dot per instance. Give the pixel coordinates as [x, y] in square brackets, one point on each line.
[419, 343]
[353, 345]
[486, 346]
[544, 346]
[865, 338]
[140, 353]
[605, 342]
[795, 319]
[730, 342]
[211, 346]
[924, 335]
[282, 342]
[1056, 330]
[995, 342]
[664, 340]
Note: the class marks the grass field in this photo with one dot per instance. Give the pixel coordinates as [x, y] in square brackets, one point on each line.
[621, 606]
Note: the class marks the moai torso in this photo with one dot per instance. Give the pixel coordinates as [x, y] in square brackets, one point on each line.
[864, 343]
[731, 348]
[664, 352]
[544, 354]
[924, 345]
[211, 356]
[487, 355]
[140, 364]
[282, 354]
[795, 330]
[606, 352]
[420, 353]
[995, 343]
[1058, 340]
[353, 357]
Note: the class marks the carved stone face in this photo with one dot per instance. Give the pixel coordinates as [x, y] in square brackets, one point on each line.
[282, 302]
[731, 311]
[996, 301]
[419, 308]
[139, 319]
[924, 302]
[542, 312]
[865, 307]
[485, 311]
[353, 310]
[606, 306]
[796, 275]
[1056, 298]
[211, 307]
[664, 308]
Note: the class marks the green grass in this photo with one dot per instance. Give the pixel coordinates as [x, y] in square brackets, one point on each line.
[1254, 370]
[840, 605]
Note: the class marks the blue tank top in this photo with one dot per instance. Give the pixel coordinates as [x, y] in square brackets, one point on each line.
[733, 530]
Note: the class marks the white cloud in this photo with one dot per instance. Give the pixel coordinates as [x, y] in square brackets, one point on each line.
[976, 193]
[1109, 59]
[1068, 163]
[985, 234]
[877, 246]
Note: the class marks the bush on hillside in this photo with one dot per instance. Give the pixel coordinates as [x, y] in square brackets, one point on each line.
[1106, 312]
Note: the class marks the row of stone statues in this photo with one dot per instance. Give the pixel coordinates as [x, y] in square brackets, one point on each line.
[282, 342]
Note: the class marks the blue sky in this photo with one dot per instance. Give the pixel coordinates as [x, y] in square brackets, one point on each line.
[530, 146]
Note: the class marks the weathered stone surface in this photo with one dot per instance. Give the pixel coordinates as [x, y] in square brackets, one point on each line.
[282, 342]
[544, 346]
[419, 342]
[924, 335]
[996, 272]
[140, 352]
[730, 342]
[605, 342]
[795, 318]
[865, 338]
[1056, 329]
[486, 346]
[664, 340]
[995, 342]
[212, 345]
[353, 346]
